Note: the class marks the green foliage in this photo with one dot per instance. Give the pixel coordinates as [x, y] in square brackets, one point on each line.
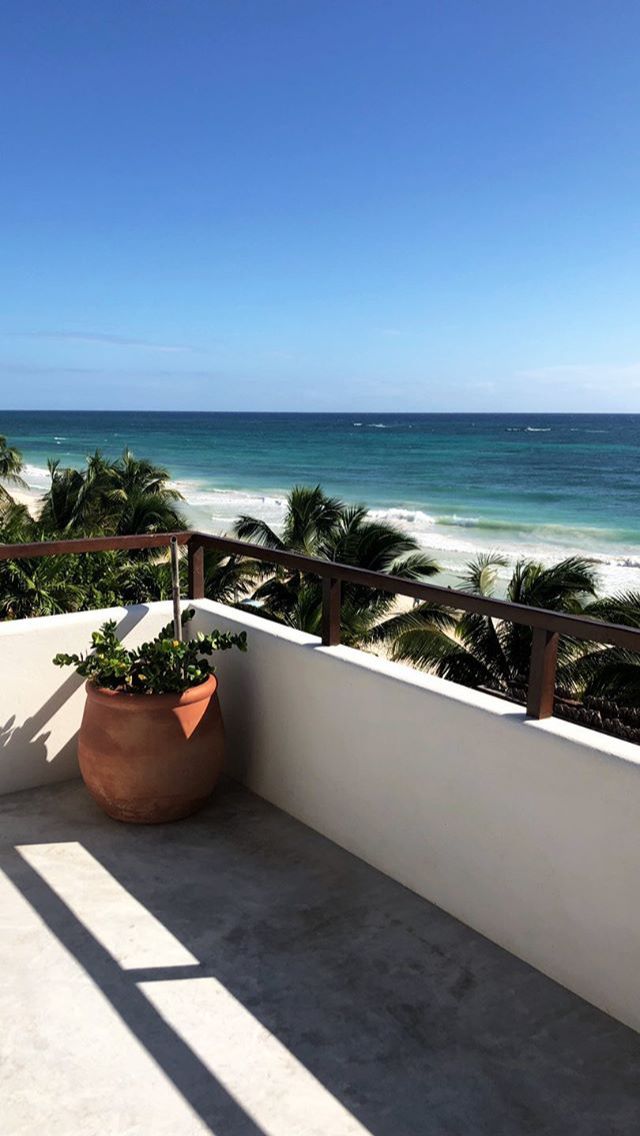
[114, 498]
[322, 526]
[132, 495]
[16, 522]
[123, 497]
[477, 650]
[11, 463]
[164, 665]
[610, 673]
[11, 466]
[126, 496]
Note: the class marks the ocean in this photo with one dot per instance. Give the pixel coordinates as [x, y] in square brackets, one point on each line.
[539, 485]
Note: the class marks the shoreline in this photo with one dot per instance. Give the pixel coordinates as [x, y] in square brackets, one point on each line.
[29, 497]
[452, 545]
[452, 548]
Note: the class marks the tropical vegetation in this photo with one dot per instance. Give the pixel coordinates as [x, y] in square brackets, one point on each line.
[322, 526]
[118, 497]
[164, 665]
[483, 652]
[478, 650]
[10, 470]
[115, 498]
[132, 495]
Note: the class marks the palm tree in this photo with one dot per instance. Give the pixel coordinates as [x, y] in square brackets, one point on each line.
[147, 513]
[16, 523]
[137, 580]
[228, 579]
[119, 498]
[322, 526]
[11, 466]
[58, 512]
[477, 650]
[44, 586]
[311, 517]
[375, 546]
[611, 673]
[139, 475]
[142, 497]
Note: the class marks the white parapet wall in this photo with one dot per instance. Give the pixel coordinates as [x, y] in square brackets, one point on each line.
[527, 831]
[41, 705]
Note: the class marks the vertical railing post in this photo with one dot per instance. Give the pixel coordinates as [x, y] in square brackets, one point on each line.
[330, 612]
[195, 554]
[542, 673]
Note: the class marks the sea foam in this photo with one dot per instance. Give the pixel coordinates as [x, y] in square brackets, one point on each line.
[36, 476]
[452, 538]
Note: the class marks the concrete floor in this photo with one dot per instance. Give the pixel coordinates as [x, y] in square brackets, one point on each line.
[238, 974]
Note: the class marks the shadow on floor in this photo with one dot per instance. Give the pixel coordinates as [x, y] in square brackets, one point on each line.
[417, 1025]
[206, 1096]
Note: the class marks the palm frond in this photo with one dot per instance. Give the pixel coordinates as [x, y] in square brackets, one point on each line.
[419, 616]
[565, 586]
[11, 464]
[480, 574]
[256, 531]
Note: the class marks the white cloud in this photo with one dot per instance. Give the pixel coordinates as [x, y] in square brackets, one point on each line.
[103, 338]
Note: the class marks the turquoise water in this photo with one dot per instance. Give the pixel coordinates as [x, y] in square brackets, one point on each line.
[535, 484]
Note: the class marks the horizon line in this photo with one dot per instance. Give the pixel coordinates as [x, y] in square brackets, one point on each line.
[346, 413]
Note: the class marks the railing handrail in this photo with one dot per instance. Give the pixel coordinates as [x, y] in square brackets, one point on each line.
[89, 544]
[574, 626]
[547, 626]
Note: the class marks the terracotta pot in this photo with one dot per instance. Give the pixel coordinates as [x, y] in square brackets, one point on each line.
[148, 758]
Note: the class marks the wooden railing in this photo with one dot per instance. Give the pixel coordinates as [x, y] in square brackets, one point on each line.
[546, 626]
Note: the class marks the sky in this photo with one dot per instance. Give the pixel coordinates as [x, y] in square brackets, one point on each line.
[320, 205]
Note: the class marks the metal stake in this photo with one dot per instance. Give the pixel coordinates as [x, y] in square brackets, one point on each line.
[175, 590]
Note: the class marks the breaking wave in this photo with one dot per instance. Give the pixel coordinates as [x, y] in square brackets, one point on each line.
[453, 538]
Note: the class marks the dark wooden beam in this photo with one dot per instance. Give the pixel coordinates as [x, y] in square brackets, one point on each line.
[331, 589]
[542, 673]
[89, 544]
[196, 569]
[574, 626]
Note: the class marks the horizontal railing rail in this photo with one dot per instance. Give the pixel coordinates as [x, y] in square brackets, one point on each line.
[90, 544]
[547, 626]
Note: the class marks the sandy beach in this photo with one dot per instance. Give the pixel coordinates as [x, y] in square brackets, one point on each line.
[29, 497]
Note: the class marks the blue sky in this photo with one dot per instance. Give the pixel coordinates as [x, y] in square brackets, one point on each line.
[320, 204]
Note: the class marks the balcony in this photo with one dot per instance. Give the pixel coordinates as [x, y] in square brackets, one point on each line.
[410, 909]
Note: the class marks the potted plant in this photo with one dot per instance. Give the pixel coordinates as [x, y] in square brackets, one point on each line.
[151, 741]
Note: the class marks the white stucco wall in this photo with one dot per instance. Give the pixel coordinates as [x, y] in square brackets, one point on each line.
[41, 705]
[527, 831]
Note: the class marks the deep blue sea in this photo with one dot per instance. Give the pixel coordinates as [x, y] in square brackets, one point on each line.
[542, 485]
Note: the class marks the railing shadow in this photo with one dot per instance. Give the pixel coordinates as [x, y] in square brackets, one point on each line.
[204, 1093]
[409, 1019]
